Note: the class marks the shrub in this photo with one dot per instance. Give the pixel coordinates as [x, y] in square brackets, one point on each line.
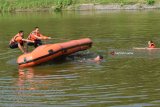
[150, 2]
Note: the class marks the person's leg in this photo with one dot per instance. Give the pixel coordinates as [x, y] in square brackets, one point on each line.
[30, 44]
[13, 45]
[37, 43]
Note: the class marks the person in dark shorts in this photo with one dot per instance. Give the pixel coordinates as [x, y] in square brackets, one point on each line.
[18, 42]
[36, 36]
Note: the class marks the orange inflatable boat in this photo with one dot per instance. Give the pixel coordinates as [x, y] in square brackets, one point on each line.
[48, 52]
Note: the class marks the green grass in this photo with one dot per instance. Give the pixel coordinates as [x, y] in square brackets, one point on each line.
[11, 5]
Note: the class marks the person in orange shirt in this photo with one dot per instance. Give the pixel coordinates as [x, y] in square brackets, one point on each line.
[151, 44]
[36, 36]
[18, 41]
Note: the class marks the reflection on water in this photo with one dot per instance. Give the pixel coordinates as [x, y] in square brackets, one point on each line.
[25, 76]
[116, 82]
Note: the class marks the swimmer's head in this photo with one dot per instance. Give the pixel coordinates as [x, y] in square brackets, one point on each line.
[98, 58]
[149, 42]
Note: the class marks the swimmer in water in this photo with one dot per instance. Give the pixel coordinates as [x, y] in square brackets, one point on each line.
[98, 58]
[83, 58]
[151, 44]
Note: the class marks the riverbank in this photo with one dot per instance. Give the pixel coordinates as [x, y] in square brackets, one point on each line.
[58, 5]
[93, 7]
[113, 7]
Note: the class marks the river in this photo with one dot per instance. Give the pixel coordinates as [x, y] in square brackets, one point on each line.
[115, 82]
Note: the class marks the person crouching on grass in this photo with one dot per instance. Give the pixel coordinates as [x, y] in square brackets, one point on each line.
[36, 36]
[18, 41]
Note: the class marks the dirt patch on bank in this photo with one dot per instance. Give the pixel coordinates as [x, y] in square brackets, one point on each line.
[83, 7]
[116, 7]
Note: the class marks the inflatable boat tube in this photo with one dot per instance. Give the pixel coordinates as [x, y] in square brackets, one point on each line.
[48, 52]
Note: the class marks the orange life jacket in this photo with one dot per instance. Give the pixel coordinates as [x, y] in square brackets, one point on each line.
[16, 38]
[152, 45]
[32, 35]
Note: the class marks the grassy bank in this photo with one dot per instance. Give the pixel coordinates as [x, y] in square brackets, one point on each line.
[12, 5]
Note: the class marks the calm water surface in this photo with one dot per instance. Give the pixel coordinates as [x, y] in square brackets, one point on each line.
[116, 82]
